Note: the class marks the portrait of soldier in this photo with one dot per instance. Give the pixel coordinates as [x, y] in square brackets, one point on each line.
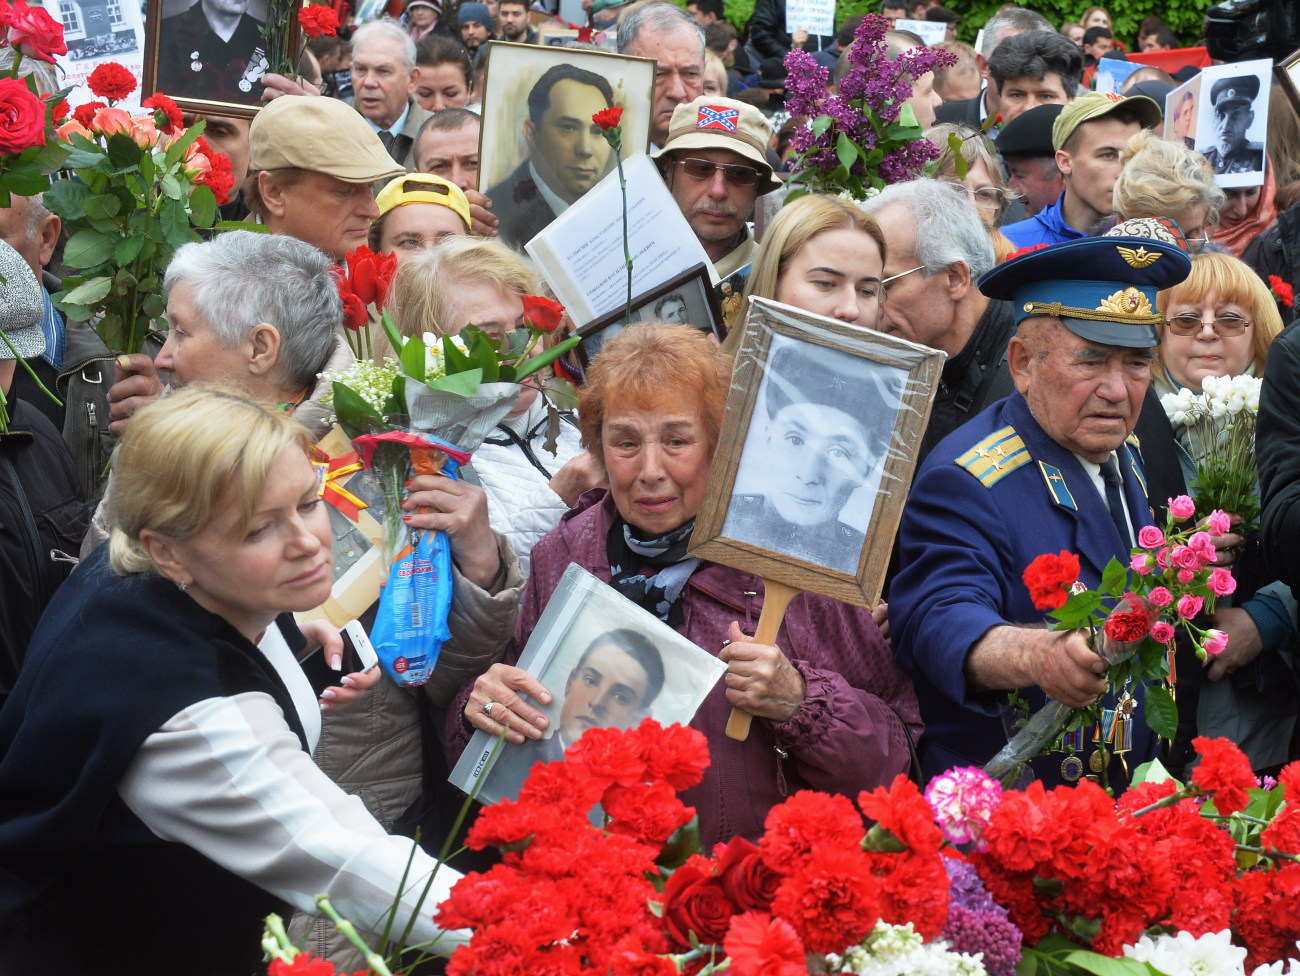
[671, 309]
[1231, 151]
[613, 684]
[811, 450]
[214, 50]
[567, 152]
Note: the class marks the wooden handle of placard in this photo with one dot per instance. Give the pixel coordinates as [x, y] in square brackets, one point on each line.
[776, 599]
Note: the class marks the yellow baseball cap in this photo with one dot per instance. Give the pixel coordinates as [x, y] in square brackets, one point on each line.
[321, 134]
[424, 188]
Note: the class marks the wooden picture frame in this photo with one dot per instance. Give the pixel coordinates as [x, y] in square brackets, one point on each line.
[816, 452]
[174, 55]
[510, 147]
[698, 307]
[1288, 73]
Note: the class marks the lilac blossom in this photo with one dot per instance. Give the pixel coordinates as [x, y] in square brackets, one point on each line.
[976, 923]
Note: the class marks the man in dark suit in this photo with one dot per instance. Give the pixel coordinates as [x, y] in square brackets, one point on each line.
[212, 49]
[383, 68]
[568, 153]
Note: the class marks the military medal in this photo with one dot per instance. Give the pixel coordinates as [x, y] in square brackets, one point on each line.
[1097, 761]
[245, 85]
[1071, 768]
[195, 63]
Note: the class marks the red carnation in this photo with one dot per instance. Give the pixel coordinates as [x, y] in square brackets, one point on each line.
[541, 313]
[1049, 578]
[220, 177]
[304, 964]
[22, 117]
[1024, 250]
[607, 118]
[831, 900]
[318, 20]
[1130, 621]
[1282, 290]
[112, 81]
[166, 113]
[760, 945]
[1224, 771]
[59, 110]
[34, 32]
[85, 114]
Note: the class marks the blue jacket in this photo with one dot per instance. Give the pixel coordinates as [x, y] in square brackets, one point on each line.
[971, 525]
[1045, 227]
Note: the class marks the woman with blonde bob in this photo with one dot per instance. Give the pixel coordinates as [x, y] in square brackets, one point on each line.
[1163, 178]
[161, 729]
[822, 255]
[1221, 322]
[469, 280]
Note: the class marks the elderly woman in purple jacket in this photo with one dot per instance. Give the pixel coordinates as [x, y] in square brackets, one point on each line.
[831, 710]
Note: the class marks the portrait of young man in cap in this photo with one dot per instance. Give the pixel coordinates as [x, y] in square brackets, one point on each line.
[1233, 102]
[213, 50]
[816, 438]
[1052, 467]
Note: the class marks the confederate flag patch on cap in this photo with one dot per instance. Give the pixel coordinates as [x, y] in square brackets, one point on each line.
[717, 118]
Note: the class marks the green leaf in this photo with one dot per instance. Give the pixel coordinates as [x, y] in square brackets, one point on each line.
[1099, 965]
[846, 151]
[171, 187]
[355, 415]
[127, 249]
[89, 292]
[456, 360]
[176, 151]
[821, 124]
[67, 198]
[545, 358]
[123, 153]
[1160, 712]
[1114, 577]
[1151, 772]
[106, 205]
[462, 384]
[81, 158]
[203, 206]
[26, 179]
[241, 225]
[87, 248]
[414, 358]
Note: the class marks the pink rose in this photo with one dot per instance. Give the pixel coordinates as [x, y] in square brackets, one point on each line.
[1185, 576]
[1189, 606]
[1162, 558]
[1160, 597]
[70, 128]
[1162, 633]
[1182, 507]
[1185, 557]
[1149, 537]
[1215, 642]
[111, 121]
[144, 132]
[1221, 582]
[1201, 544]
[1140, 563]
[1219, 522]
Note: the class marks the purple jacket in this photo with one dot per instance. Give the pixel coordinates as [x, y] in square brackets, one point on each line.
[847, 735]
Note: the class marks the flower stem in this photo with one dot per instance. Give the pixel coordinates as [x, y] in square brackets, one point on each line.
[349, 931]
[627, 251]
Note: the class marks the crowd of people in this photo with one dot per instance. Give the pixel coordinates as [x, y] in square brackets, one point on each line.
[165, 720]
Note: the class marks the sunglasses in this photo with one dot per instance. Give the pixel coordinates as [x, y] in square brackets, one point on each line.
[733, 173]
[1224, 325]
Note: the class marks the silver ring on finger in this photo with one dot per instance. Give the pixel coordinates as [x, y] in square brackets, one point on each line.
[487, 707]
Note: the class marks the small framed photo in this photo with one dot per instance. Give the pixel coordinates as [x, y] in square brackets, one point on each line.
[1233, 123]
[539, 150]
[1288, 73]
[209, 55]
[687, 299]
[607, 663]
[1182, 109]
[816, 453]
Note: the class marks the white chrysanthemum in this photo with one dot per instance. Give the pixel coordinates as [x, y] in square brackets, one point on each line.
[1212, 954]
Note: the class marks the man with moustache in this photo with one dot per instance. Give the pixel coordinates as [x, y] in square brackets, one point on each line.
[568, 153]
[714, 164]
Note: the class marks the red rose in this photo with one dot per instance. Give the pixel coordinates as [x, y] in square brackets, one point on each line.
[166, 113]
[607, 118]
[1049, 578]
[35, 33]
[22, 117]
[112, 81]
[745, 877]
[369, 274]
[1224, 771]
[318, 20]
[85, 114]
[542, 314]
[694, 902]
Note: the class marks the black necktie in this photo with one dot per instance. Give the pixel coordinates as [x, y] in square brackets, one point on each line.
[1115, 498]
[387, 138]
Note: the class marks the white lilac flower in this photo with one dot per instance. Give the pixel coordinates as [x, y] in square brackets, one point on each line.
[1184, 954]
[896, 950]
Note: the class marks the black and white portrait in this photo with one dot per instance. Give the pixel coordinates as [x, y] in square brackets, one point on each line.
[1233, 121]
[212, 50]
[814, 454]
[540, 149]
[686, 299]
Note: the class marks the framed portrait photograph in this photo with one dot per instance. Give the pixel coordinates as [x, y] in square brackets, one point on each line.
[539, 150]
[209, 55]
[1233, 122]
[607, 663]
[1182, 108]
[685, 299]
[1288, 73]
[816, 452]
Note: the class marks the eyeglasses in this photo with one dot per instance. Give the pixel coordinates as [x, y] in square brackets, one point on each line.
[1197, 244]
[1224, 325]
[884, 285]
[733, 173]
[988, 197]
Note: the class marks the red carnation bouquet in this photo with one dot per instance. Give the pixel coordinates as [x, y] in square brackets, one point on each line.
[1131, 619]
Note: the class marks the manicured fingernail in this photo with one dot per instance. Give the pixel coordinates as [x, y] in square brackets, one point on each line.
[408, 483]
[347, 682]
[336, 662]
[324, 706]
[329, 694]
[407, 518]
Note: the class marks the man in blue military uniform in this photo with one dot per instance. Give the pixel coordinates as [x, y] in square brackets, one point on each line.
[1031, 475]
